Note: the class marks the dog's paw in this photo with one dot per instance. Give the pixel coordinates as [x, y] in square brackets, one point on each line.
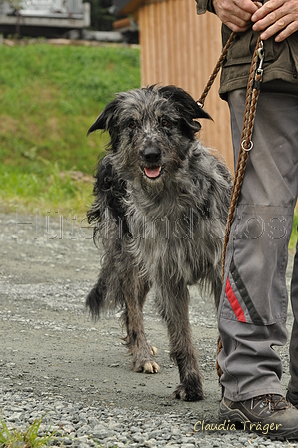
[189, 393]
[145, 366]
[153, 350]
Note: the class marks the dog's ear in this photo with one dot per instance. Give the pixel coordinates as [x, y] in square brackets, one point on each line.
[107, 122]
[184, 102]
[106, 118]
[188, 109]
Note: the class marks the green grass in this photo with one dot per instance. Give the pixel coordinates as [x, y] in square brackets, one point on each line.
[30, 438]
[49, 97]
[294, 236]
[13, 438]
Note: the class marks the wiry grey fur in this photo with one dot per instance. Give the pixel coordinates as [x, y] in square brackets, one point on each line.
[164, 232]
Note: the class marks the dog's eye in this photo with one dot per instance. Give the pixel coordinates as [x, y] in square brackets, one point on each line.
[164, 122]
[132, 125]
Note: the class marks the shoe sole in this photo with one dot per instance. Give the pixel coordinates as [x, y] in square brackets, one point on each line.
[226, 414]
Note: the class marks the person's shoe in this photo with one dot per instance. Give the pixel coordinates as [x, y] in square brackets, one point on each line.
[292, 397]
[268, 415]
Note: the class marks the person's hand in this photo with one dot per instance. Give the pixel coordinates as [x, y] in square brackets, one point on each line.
[236, 14]
[278, 17]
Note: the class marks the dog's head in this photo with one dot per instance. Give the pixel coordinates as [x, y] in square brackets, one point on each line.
[151, 131]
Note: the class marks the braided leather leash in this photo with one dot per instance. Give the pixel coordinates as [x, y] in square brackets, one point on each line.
[216, 69]
[252, 95]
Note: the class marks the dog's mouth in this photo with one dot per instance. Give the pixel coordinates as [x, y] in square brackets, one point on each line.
[152, 172]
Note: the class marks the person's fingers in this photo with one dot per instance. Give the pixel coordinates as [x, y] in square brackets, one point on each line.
[235, 14]
[276, 17]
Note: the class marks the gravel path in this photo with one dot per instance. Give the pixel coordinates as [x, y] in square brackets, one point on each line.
[55, 360]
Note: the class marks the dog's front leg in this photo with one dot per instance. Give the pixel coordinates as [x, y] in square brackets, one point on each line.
[174, 306]
[135, 292]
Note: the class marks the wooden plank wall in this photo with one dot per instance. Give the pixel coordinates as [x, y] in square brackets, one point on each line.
[179, 47]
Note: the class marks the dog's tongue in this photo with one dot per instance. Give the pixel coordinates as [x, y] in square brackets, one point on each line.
[152, 172]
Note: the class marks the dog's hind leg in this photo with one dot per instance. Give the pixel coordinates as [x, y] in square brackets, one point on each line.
[135, 289]
[125, 320]
[174, 310]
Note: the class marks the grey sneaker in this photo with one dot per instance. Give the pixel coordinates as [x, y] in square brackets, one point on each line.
[292, 397]
[268, 415]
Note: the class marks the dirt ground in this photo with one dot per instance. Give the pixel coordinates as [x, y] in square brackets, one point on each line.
[49, 344]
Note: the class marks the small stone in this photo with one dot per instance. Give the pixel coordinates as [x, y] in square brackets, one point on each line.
[138, 438]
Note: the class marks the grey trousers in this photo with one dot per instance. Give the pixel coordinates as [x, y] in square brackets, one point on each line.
[253, 305]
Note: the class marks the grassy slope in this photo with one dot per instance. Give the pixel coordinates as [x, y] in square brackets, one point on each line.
[49, 97]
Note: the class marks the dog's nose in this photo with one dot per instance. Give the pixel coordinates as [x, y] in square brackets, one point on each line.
[152, 154]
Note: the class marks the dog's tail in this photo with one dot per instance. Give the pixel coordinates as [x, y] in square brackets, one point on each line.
[95, 300]
[107, 294]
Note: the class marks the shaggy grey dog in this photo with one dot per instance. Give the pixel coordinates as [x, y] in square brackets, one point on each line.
[161, 203]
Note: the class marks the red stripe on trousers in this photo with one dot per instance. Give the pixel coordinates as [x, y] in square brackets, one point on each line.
[234, 302]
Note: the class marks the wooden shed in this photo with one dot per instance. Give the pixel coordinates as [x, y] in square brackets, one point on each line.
[179, 47]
